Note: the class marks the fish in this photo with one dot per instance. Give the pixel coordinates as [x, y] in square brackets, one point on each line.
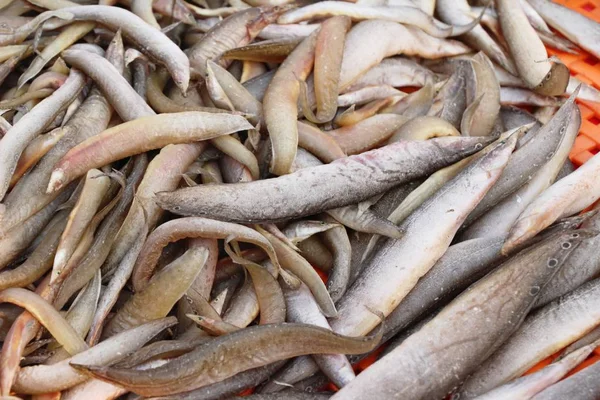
[450, 350]
[568, 318]
[281, 203]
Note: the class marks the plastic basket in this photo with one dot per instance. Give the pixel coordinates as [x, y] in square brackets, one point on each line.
[587, 69]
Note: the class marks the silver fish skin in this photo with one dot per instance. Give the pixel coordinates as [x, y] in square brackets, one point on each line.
[437, 358]
[529, 385]
[428, 232]
[461, 265]
[543, 333]
[580, 29]
[583, 385]
[530, 157]
[310, 190]
[581, 267]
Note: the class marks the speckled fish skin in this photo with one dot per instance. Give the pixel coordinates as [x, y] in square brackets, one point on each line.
[529, 158]
[529, 385]
[153, 42]
[512, 96]
[280, 104]
[311, 190]
[405, 15]
[395, 269]
[461, 265]
[567, 168]
[423, 296]
[434, 360]
[397, 340]
[236, 30]
[233, 353]
[572, 194]
[230, 386]
[359, 241]
[457, 12]
[290, 395]
[577, 27]
[32, 124]
[513, 117]
[169, 284]
[539, 73]
[499, 220]
[265, 51]
[369, 42]
[364, 220]
[584, 385]
[61, 376]
[582, 266]
[302, 308]
[396, 72]
[298, 369]
[91, 118]
[543, 333]
[483, 96]
[591, 337]
[451, 101]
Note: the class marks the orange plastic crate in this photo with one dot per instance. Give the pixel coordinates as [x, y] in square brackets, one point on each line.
[586, 68]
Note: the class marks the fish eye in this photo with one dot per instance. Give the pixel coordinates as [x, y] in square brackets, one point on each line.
[478, 146]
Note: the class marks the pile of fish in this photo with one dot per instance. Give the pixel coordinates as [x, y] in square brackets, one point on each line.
[206, 198]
